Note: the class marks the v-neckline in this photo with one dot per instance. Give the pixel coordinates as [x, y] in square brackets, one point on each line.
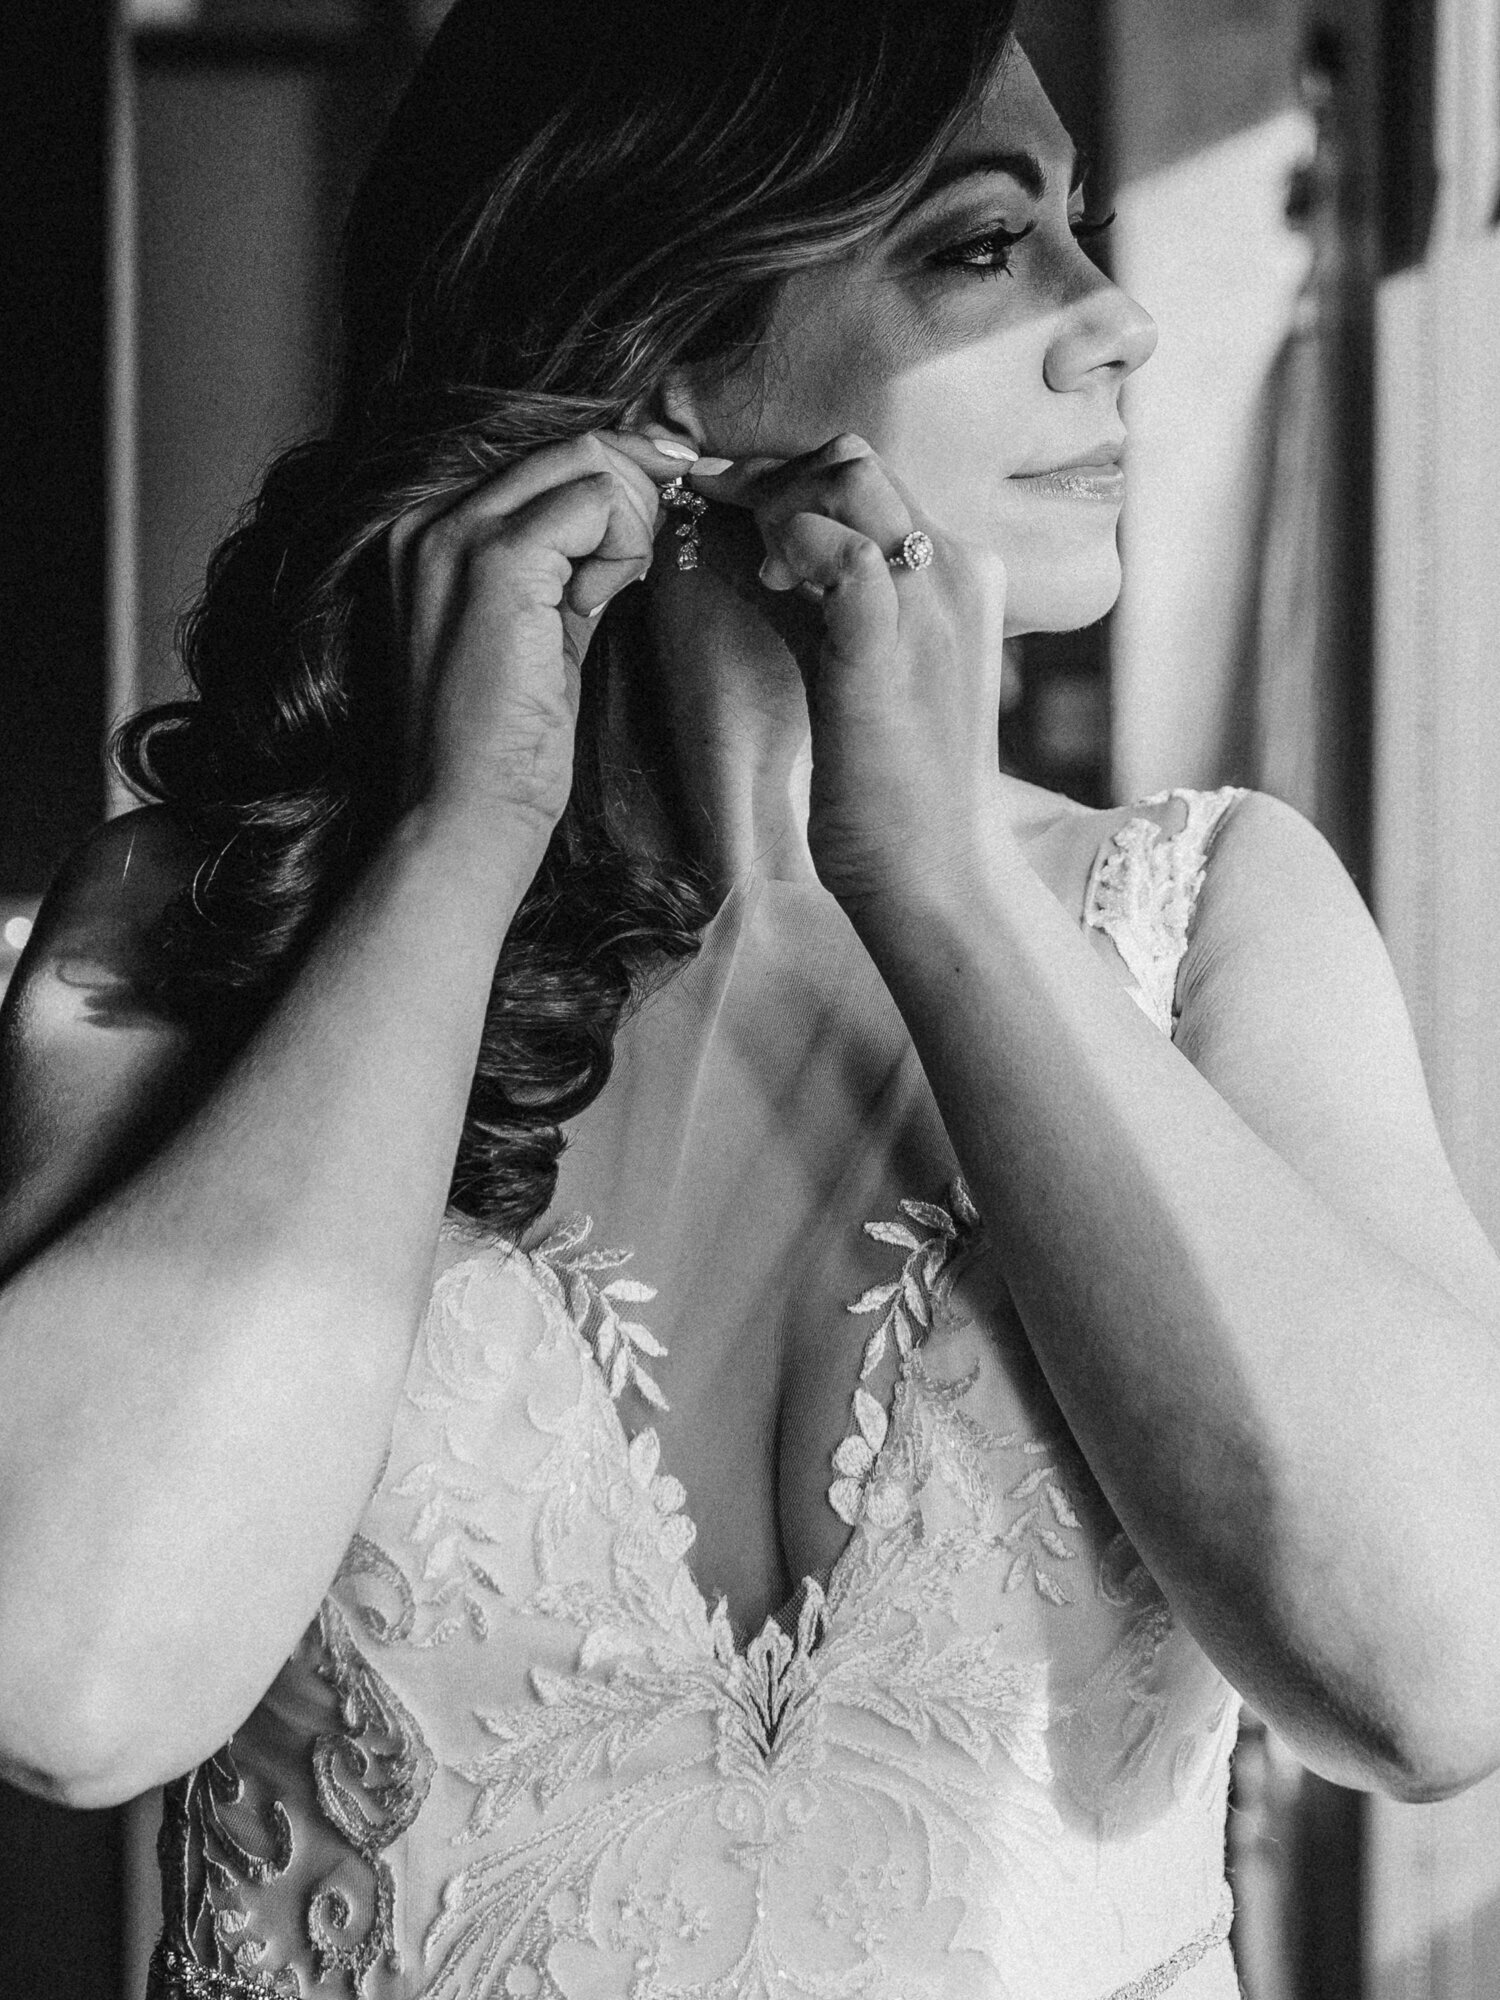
[786, 1615]
[740, 904]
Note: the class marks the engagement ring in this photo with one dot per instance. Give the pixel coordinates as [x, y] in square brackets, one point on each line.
[914, 553]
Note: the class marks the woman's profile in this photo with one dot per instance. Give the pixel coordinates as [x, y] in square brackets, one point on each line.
[661, 1335]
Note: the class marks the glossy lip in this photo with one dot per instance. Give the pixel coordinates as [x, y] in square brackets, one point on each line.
[1101, 458]
[1095, 475]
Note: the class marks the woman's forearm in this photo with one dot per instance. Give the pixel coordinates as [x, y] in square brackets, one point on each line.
[1295, 1426]
[197, 1379]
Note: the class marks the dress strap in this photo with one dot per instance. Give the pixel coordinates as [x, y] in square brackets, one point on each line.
[1144, 889]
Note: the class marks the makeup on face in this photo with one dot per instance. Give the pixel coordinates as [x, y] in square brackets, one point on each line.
[1097, 475]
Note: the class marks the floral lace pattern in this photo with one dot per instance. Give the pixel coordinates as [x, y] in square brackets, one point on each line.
[976, 1761]
[1144, 889]
[662, 1670]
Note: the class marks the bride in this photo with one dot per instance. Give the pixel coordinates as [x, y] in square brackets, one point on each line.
[1002, 1298]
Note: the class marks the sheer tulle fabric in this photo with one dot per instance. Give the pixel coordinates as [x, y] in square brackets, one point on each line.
[520, 1752]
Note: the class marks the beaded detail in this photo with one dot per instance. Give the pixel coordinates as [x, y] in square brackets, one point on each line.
[1162, 1978]
[175, 1976]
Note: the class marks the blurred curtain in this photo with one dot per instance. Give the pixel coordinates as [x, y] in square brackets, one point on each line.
[1300, 723]
[1298, 727]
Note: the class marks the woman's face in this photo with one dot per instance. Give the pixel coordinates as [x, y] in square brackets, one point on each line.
[975, 364]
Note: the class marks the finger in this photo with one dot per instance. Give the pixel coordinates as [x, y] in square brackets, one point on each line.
[860, 603]
[550, 467]
[856, 494]
[438, 533]
[635, 458]
[662, 460]
[750, 482]
[454, 523]
[847, 483]
[400, 552]
[597, 580]
[531, 555]
[620, 555]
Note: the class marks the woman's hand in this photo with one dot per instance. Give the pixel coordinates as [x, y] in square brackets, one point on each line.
[496, 600]
[902, 666]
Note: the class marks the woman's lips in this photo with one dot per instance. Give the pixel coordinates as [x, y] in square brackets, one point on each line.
[1102, 480]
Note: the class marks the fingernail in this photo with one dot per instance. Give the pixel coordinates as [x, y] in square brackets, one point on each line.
[707, 468]
[598, 611]
[773, 573]
[674, 448]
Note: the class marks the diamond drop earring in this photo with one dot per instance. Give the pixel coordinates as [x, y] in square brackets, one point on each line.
[691, 507]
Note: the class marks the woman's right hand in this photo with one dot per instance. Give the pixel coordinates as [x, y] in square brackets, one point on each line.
[496, 598]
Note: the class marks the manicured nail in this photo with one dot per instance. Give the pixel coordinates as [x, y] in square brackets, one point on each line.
[708, 468]
[598, 610]
[674, 448]
[775, 575]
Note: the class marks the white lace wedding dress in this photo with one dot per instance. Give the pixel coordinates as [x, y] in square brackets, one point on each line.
[518, 1753]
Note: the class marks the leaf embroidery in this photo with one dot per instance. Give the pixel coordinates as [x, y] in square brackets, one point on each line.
[908, 1303]
[618, 1343]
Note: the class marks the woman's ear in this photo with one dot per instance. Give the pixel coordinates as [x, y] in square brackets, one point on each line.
[669, 413]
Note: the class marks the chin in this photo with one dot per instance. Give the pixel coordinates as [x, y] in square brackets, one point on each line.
[1061, 595]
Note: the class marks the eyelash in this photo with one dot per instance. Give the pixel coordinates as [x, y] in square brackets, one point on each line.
[1000, 242]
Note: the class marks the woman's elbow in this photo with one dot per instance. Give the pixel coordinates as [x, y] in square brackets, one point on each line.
[68, 1769]
[1442, 1745]
[1416, 1729]
[79, 1744]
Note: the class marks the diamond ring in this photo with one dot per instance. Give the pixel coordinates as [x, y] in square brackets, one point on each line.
[914, 553]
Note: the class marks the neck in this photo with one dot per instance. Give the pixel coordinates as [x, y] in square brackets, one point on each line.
[719, 754]
[740, 747]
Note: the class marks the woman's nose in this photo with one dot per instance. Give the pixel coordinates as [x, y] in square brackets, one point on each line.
[1102, 328]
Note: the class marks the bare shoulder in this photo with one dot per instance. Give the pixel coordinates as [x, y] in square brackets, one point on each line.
[1061, 838]
[1266, 846]
[1279, 922]
[88, 1067]
[1292, 1010]
[111, 890]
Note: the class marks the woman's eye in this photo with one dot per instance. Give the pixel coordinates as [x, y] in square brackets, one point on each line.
[988, 255]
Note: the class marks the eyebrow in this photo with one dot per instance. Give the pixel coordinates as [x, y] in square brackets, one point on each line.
[1023, 167]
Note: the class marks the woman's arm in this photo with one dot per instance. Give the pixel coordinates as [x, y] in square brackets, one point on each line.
[197, 1378]
[198, 1371]
[1243, 1264]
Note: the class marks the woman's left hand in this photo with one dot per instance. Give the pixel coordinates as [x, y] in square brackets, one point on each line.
[902, 666]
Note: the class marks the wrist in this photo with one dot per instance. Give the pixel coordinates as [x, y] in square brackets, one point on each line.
[495, 850]
[895, 898]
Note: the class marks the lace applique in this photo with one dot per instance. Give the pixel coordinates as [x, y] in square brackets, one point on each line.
[208, 1947]
[1143, 891]
[908, 1305]
[934, 1437]
[372, 1777]
[591, 1875]
[602, 1794]
[859, 1805]
[618, 1344]
[1039, 1533]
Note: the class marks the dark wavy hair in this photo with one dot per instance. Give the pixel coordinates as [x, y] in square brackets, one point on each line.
[570, 200]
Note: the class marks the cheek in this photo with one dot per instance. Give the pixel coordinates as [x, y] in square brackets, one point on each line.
[947, 400]
[954, 417]
[953, 405]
